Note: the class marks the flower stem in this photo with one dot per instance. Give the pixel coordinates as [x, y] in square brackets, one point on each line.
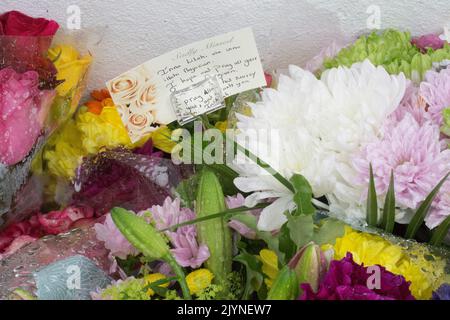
[180, 275]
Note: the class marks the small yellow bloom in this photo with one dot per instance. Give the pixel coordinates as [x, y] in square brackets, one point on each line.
[198, 280]
[269, 260]
[161, 138]
[416, 263]
[70, 66]
[221, 125]
[151, 278]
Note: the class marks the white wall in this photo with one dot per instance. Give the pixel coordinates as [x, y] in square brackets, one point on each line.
[287, 31]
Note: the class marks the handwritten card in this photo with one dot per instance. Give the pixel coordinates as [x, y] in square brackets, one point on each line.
[143, 94]
[201, 98]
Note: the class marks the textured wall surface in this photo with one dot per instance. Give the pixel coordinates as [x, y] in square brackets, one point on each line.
[125, 33]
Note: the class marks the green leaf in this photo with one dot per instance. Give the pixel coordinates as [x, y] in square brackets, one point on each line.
[389, 207]
[302, 195]
[372, 206]
[254, 277]
[422, 211]
[328, 231]
[440, 232]
[286, 245]
[186, 191]
[301, 229]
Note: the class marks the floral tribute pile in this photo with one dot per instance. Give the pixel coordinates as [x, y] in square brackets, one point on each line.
[352, 204]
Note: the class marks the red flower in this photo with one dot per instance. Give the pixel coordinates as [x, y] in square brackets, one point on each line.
[15, 23]
[24, 42]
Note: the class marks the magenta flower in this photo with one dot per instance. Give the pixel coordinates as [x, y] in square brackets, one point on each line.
[23, 109]
[186, 250]
[427, 41]
[347, 280]
[435, 91]
[414, 154]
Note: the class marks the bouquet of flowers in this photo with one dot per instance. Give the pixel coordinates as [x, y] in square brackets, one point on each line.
[40, 85]
[346, 199]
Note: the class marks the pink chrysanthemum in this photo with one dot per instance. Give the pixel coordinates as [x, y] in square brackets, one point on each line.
[114, 241]
[411, 104]
[187, 251]
[435, 91]
[414, 154]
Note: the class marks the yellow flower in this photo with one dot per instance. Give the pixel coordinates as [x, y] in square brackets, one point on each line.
[269, 260]
[64, 152]
[221, 125]
[70, 66]
[416, 263]
[85, 135]
[161, 138]
[198, 280]
[151, 278]
[104, 130]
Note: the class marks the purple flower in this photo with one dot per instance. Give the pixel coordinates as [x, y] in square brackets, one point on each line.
[435, 91]
[413, 152]
[186, 250]
[347, 280]
[428, 41]
[442, 293]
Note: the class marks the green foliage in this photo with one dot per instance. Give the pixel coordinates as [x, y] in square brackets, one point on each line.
[423, 209]
[372, 206]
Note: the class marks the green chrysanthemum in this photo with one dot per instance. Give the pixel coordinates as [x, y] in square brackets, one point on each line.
[393, 50]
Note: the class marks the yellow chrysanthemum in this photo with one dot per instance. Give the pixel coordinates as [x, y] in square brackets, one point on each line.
[104, 130]
[269, 260]
[87, 134]
[151, 278]
[198, 280]
[417, 264]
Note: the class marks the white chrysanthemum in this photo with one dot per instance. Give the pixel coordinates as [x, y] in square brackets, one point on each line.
[318, 123]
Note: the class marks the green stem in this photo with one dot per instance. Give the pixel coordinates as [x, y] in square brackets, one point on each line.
[229, 212]
[180, 275]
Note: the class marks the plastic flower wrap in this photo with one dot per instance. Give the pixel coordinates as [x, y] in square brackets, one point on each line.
[41, 83]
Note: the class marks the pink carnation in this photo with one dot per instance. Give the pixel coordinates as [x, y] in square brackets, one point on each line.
[414, 154]
[23, 109]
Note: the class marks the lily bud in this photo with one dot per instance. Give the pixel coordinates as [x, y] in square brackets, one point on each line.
[309, 264]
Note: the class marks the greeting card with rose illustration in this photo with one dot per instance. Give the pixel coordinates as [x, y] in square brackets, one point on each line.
[142, 95]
